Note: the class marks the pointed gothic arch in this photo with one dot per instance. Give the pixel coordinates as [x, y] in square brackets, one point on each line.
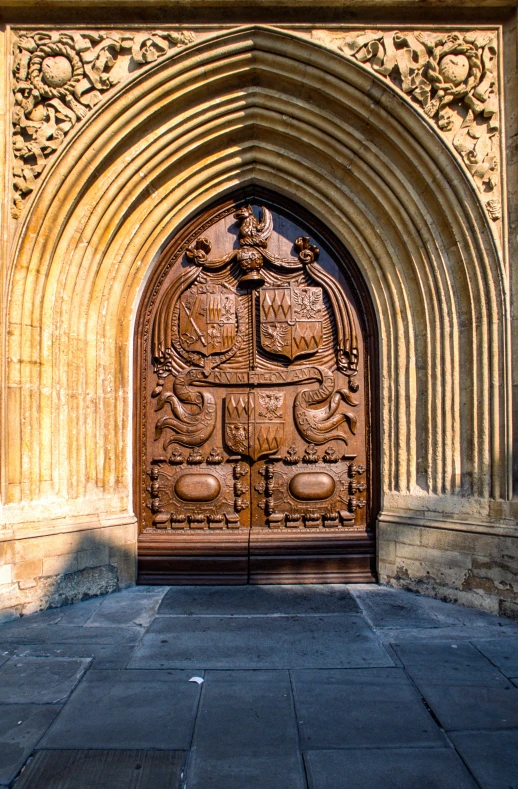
[263, 106]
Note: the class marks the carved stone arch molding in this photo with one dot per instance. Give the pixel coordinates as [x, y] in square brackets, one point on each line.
[261, 106]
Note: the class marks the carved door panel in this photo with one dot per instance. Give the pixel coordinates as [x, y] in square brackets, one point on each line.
[253, 422]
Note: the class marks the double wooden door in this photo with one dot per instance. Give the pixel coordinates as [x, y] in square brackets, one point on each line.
[253, 425]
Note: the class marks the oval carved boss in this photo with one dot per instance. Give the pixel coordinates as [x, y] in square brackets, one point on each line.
[197, 487]
[312, 486]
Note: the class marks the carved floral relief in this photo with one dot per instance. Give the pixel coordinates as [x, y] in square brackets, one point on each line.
[452, 77]
[59, 77]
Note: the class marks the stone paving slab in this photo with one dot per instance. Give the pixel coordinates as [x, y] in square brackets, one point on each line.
[491, 756]
[121, 769]
[387, 608]
[464, 690]
[21, 728]
[260, 600]
[246, 712]
[246, 733]
[502, 653]
[452, 634]
[447, 660]
[58, 634]
[39, 680]
[326, 641]
[246, 772]
[128, 709]
[101, 655]
[137, 607]
[5, 655]
[447, 614]
[387, 768]
[25, 623]
[72, 615]
[78, 614]
[362, 707]
[462, 706]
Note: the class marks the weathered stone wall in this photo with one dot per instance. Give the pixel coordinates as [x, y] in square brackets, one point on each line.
[61, 567]
[151, 114]
[475, 569]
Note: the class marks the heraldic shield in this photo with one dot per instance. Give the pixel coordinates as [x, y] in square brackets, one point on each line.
[291, 320]
[254, 422]
[207, 319]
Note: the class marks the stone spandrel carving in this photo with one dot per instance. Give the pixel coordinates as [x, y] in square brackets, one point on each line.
[452, 76]
[59, 77]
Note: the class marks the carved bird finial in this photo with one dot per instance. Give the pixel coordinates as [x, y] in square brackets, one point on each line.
[254, 232]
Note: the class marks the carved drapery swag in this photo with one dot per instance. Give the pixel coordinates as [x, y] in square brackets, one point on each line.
[451, 76]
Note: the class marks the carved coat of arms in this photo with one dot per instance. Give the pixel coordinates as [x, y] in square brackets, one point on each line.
[254, 422]
[207, 319]
[291, 320]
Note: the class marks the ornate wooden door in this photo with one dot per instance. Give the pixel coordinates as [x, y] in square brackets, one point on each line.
[253, 428]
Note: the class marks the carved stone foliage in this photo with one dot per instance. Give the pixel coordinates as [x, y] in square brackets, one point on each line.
[59, 77]
[452, 77]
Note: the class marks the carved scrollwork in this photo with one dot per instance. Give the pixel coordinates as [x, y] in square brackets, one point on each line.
[310, 455]
[320, 425]
[331, 455]
[161, 515]
[354, 469]
[197, 496]
[331, 520]
[355, 504]
[176, 458]
[193, 417]
[199, 252]
[291, 457]
[178, 520]
[357, 487]
[307, 252]
[59, 77]
[240, 470]
[215, 457]
[194, 458]
[241, 487]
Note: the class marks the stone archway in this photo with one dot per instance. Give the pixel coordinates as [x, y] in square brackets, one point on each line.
[263, 106]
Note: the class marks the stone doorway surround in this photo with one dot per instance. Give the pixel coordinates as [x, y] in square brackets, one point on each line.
[126, 127]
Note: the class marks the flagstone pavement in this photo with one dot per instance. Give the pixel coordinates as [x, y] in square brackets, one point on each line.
[259, 687]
